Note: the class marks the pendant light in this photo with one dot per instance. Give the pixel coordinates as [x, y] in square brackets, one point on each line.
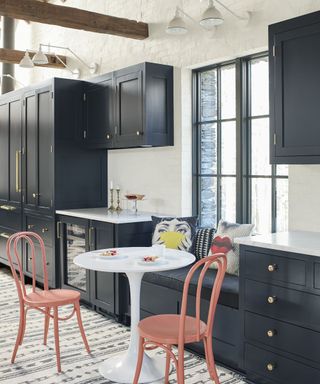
[26, 61]
[211, 17]
[177, 25]
[40, 58]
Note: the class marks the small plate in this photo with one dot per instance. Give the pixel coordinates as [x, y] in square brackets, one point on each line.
[110, 258]
[159, 261]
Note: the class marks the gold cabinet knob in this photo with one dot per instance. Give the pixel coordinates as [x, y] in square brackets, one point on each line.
[43, 230]
[272, 267]
[272, 299]
[35, 195]
[271, 367]
[271, 332]
[108, 137]
[139, 133]
[30, 226]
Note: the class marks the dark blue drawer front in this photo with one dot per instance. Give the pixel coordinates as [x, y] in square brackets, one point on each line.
[274, 268]
[282, 370]
[283, 336]
[289, 305]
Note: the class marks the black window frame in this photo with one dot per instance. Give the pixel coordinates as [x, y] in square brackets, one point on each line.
[243, 142]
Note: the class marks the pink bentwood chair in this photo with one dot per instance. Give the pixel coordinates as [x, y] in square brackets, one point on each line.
[41, 300]
[164, 331]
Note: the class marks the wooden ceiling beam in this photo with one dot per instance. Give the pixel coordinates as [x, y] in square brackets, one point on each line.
[12, 56]
[68, 17]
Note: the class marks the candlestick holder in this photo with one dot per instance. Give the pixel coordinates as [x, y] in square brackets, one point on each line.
[118, 209]
[112, 207]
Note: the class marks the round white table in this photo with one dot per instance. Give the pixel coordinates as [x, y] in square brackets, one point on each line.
[121, 368]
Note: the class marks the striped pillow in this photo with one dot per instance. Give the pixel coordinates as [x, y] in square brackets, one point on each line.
[202, 242]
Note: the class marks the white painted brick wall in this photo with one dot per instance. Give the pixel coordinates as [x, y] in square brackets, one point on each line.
[164, 174]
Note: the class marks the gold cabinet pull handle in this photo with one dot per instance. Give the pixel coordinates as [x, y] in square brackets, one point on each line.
[8, 207]
[272, 299]
[271, 367]
[271, 332]
[43, 230]
[4, 235]
[18, 158]
[35, 195]
[272, 267]
[30, 226]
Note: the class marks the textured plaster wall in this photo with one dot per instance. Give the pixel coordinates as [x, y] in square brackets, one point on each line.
[164, 174]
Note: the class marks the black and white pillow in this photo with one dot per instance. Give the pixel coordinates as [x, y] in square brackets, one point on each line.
[202, 242]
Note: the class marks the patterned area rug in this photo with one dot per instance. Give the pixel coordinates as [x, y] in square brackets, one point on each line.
[36, 363]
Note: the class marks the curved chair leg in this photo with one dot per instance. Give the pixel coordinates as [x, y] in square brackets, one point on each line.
[24, 327]
[77, 308]
[56, 337]
[210, 360]
[20, 334]
[168, 361]
[139, 361]
[46, 325]
[180, 368]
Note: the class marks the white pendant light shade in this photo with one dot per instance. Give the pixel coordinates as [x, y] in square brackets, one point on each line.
[211, 17]
[26, 61]
[40, 58]
[177, 25]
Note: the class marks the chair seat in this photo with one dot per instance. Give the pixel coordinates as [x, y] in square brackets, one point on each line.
[52, 297]
[164, 329]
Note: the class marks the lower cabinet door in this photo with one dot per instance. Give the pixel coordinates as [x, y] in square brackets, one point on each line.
[37, 268]
[74, 239]
[102, 284]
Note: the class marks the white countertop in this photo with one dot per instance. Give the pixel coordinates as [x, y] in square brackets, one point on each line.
[102, 214]
[307, 243]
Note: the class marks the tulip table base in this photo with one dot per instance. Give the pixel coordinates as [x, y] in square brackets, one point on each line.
[121, 368]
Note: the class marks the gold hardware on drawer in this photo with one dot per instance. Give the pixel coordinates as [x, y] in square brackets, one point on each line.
[271, 332]
[43, 230]
[8, 207]
[272, 299]
[272, 267]
[108, 137]
[30, 226]
[139, 133]
[271, 367]
[4, 235]
[35, 195]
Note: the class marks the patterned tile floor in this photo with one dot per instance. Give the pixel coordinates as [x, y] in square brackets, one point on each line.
[35, 363]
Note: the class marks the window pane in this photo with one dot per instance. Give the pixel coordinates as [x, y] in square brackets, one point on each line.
[259, 87]
[228, 92]
[228, 148]
[208, 204]
[282, 170]
[261, 204]
[260, 147]
[228, 198]
[208, 156]
[282, 205]
[208, 95]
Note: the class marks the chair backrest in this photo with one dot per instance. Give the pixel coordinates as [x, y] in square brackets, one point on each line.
[13, 253]
[221, 260]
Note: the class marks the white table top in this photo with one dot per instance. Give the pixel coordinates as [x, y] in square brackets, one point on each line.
[302, 242]
[102, 214]
[130, 260]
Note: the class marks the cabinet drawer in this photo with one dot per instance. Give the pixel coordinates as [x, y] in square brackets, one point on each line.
[42, 227]
[39, 268]
[290, 338]
[275, 268]
[288, 304]
[4, 234]
[267, 367]
[10, 219]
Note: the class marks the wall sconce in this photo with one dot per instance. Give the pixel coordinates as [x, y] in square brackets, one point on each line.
[210, 19]
[40, 58]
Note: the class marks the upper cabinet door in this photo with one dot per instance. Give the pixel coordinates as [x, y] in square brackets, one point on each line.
[129, 126]
[99, 127]
[294, 90]
[38, 123]
[4, 152]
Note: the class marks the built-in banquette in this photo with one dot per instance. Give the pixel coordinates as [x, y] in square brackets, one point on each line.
[280, 308]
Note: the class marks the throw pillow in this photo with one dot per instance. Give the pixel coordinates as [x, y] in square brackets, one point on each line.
[202, 241]
[174, 232]
[231, 230]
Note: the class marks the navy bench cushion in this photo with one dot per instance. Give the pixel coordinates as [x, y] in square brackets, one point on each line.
[175, 279]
